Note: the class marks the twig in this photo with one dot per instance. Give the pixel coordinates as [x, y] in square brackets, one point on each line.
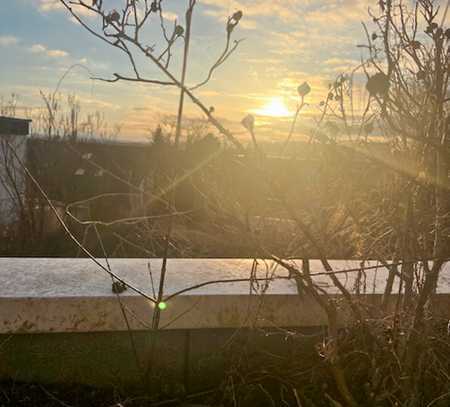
[67, 230]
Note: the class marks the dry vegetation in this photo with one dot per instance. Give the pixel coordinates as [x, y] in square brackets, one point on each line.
[394, 354]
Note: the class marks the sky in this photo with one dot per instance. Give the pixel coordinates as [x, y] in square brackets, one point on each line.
[285, 42]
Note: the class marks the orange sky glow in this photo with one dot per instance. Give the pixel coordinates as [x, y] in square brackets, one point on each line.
[284, 43]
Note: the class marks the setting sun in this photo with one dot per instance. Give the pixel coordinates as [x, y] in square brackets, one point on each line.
[274, 108]
[249, 205]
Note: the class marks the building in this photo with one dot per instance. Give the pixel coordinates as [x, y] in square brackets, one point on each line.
[13, 138]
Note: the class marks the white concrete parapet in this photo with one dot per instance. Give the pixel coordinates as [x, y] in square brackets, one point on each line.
[39, 295]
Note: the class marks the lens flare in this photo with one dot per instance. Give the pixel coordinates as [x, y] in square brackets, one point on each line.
[274, 108]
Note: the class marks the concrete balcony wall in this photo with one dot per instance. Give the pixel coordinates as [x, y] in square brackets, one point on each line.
[61, 322]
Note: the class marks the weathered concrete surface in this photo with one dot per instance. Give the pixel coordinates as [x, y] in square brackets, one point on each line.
[74, 295]
[61, 277]
[98, 314]
[60, 321]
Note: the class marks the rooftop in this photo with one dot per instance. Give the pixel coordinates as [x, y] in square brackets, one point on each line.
[14, 126]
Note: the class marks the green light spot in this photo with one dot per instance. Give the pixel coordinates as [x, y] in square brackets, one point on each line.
[162, 306]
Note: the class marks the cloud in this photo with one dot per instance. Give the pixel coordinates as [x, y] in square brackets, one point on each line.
[47, 6]
[169, 15]
[340, 65]
[326, 12]
[56, 53]
[338, 14]
[42, 49]
[284, 10]
[53, 5]
[340, 61]
[38, 49]
[286, 42]
[8, 40]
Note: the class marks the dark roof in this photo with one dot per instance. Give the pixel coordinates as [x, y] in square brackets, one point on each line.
[14, 126]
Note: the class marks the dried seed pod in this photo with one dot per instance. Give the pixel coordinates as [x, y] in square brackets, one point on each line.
[233, 21]
[303, 89]
[248, 122]
[431, 28]
[179, 31]
[154, 7]
[378, 84]
[237, 16]
[113, 16]
[118, 287]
